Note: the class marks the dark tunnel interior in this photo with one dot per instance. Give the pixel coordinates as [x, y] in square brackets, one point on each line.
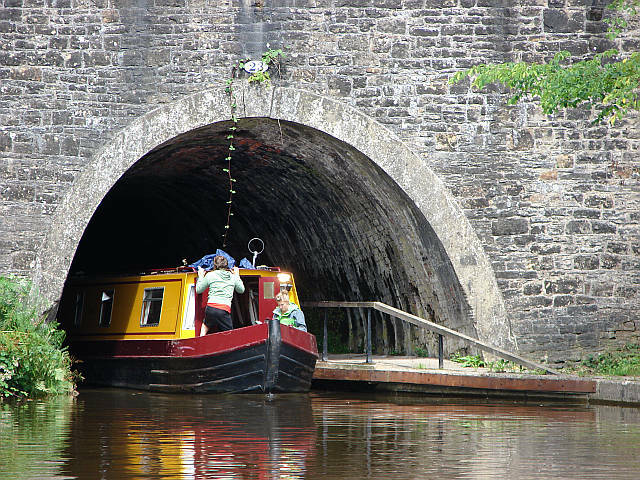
[324, 210]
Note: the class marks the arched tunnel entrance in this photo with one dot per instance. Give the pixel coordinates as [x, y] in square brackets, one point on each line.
[324, 210]
[336, 197]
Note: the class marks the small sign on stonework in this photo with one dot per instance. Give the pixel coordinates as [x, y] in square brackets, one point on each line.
[255, 66]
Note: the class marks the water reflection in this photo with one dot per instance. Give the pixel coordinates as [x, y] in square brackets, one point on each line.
[192, 436]
[30, 438]
[109, 434]
[410, 438]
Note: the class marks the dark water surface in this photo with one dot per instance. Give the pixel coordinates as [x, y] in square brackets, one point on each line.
[122, 434]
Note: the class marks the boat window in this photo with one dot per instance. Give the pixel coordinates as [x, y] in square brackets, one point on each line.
[269, 290]
[79, 304]
[106, 305]
[188, 322]
[151, 306]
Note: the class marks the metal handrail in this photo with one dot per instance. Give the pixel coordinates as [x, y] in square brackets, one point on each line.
[421, 322]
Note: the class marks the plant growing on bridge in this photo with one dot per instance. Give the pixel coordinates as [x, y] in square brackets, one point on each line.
[269, 57]
[474, 361]
[606, 82]
[33, 361]
[623, 362]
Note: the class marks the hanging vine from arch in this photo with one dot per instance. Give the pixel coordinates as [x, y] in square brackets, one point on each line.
[258, 76]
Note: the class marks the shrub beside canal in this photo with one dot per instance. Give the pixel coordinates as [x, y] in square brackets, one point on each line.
[33, 361]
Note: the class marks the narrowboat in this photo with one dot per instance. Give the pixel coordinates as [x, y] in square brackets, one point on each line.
[143, 331]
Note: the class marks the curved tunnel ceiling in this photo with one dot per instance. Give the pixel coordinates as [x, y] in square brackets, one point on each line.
[324, 210]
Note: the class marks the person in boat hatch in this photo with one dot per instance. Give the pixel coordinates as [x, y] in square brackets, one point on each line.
[288, 313]
[221, 283]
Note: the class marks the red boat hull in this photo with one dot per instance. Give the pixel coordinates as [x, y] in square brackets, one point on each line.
[260, 358]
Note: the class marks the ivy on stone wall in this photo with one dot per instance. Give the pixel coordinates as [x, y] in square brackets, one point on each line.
[608, 83]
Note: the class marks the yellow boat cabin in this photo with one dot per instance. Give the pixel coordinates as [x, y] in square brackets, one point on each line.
[162, 304]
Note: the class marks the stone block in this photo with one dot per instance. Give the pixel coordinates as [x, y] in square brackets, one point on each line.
[578, 226]
[598, 201]
[578, 310]
[586, 213]
[608, 261]
[509, 226]
[563, 285]
[563, 300]
[497, 3]
[392, 26]
[438, 4]
[601, 289]
[586, 262]
[400, 50]
[17, 192]
[617, 391]
[424, 32]
[5, 142]
[534, 301]
[603, 227]
[584, 300]
[340, 85]
[617, 247]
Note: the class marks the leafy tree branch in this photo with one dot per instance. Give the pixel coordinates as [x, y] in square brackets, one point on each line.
[606, 82]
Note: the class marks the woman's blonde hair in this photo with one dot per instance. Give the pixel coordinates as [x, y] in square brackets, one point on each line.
[282, 296]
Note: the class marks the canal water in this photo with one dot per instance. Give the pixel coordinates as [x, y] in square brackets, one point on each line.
[122, 434]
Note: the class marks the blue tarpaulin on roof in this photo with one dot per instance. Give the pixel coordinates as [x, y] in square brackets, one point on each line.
[244, 263]
[206, 262]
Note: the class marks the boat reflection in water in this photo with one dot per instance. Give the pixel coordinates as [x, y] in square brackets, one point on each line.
[125, 434]
[224, 436]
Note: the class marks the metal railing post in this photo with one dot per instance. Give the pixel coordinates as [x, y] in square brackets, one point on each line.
[440, 352]
[369, 336]
[325, 347]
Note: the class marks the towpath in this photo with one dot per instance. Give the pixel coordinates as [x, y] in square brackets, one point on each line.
[418, 374]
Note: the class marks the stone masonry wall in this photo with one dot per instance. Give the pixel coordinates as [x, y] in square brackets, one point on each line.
[555, 200]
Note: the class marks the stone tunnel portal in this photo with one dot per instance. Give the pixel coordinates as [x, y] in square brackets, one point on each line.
[324, 210]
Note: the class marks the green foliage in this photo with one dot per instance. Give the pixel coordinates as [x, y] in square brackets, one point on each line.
[33, 361]
[421, 352]
[611, 88]
[605, 82]
[475, 361]
[623, 362]
[336, 344]
[338, 341]
[618, 24]
[498, 366]
[270, 57]
[501, 365]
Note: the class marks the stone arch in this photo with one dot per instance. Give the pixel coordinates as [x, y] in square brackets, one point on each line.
[382, 147]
